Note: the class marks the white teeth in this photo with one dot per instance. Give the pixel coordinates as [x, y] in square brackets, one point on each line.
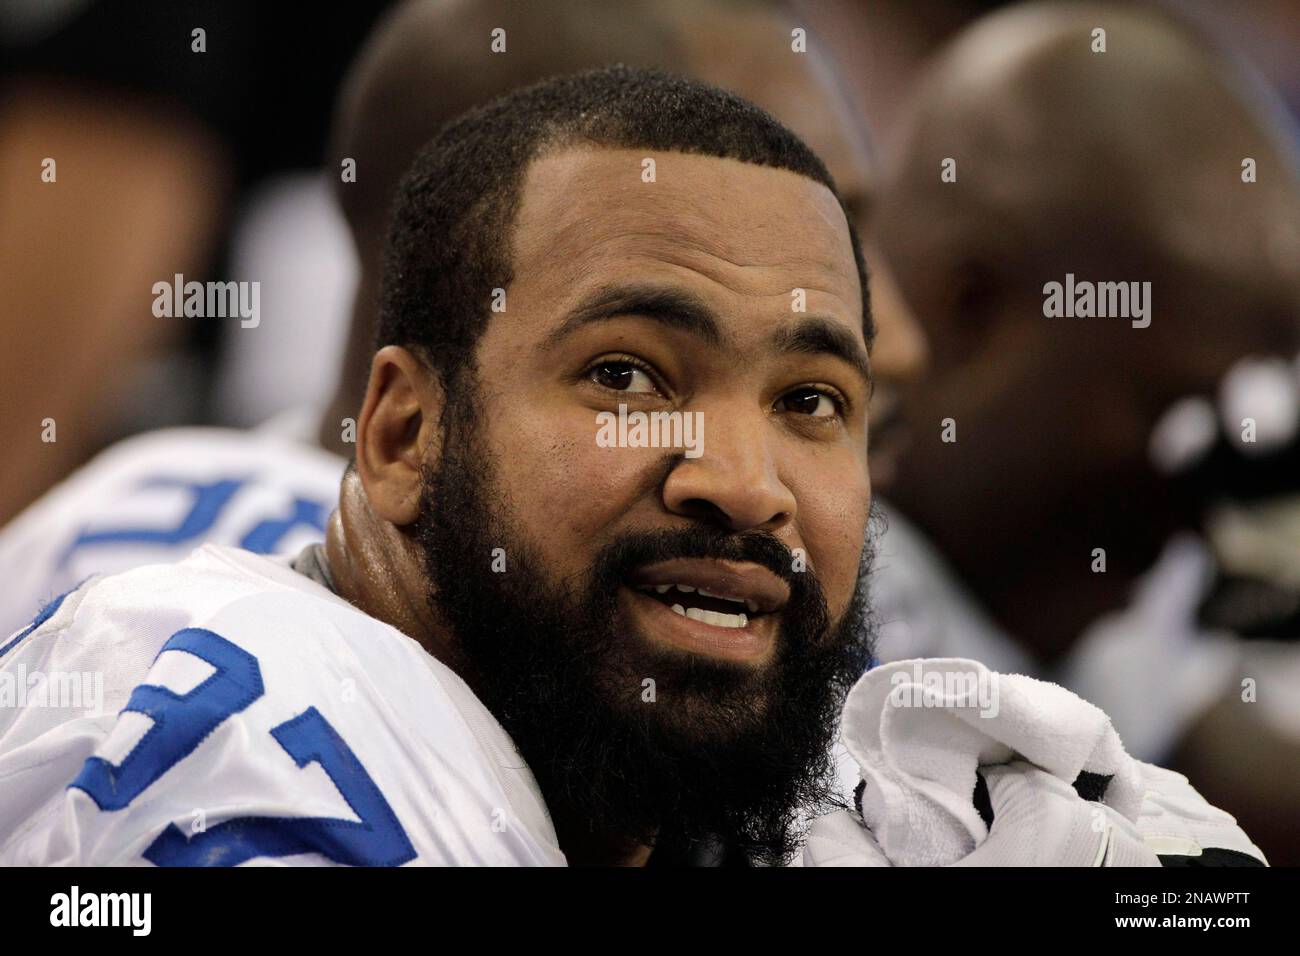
[716, 618]
[751, 606]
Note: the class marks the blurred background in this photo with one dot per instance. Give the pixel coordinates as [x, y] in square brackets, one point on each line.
[1109, 506]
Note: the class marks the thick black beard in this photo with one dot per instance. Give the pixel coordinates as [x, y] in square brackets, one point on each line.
[715, 752]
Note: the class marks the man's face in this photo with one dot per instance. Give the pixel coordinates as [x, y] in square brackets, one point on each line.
[677, 295]
[724, 291]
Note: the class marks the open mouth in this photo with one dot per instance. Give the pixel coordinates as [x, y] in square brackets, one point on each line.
[722, 609]
[697, 604]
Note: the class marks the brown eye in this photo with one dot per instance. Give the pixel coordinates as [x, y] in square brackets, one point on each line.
[809, 401]
[621, 377]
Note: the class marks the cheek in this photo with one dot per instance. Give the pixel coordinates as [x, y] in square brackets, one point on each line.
[834, 507]
[565, 488]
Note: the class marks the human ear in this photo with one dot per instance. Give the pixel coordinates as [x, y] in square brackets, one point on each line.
[397, 432]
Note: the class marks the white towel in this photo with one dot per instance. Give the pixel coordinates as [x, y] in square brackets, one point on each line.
[920, 729]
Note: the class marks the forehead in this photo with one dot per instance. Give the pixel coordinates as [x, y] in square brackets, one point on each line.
[586, 215]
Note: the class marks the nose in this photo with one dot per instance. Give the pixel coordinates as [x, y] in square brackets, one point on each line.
[734, 483]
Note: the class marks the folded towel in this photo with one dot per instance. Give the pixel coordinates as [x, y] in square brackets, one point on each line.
[921, 729]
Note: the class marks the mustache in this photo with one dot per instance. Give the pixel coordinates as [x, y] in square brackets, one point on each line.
[619, 559]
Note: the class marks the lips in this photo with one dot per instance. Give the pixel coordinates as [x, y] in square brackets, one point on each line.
[723, 586]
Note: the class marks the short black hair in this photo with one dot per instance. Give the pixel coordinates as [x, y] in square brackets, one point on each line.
[449, 241]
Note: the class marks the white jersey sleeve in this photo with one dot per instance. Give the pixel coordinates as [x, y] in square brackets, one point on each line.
[227, 710]
[155, 498]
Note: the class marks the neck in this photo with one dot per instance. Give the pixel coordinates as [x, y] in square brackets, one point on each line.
[375, 568]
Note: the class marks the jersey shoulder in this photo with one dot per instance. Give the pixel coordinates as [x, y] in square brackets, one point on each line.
[155, 497]
[251, 716]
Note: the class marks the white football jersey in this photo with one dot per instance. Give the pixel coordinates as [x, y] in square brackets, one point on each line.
[228, 710]
[158, 496]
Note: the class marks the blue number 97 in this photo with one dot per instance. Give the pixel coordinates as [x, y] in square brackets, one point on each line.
[180, 724]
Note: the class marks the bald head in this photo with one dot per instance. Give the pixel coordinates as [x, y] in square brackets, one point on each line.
[430, 61]
[1122, 166]
[1070, 160]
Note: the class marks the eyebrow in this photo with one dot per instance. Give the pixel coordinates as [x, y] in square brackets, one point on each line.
[821, 336]
[686, 312]
[674, 308]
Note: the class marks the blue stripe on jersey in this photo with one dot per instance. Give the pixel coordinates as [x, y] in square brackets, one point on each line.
[266, 536]
[46, 612]
[209, 500]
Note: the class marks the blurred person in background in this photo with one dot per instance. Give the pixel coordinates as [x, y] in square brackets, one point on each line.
[1265, 32]
[130, 135]
[1073, 469]
[882, 45]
